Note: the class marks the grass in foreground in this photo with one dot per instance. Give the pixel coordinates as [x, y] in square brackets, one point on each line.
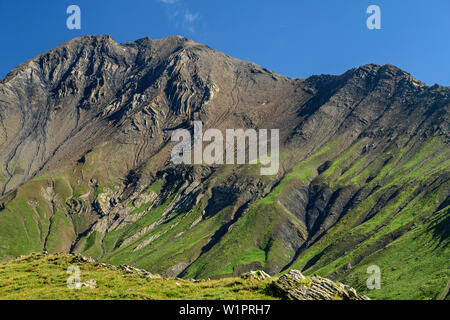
[40, 276]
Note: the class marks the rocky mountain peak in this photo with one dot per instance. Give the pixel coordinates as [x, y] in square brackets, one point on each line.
[363, 154]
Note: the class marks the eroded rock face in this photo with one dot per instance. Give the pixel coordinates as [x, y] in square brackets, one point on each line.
[294, 285]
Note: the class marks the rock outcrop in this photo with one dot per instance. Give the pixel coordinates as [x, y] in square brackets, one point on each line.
[294, 285]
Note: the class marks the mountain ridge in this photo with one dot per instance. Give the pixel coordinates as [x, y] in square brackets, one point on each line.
[108, 37]
[85, 149]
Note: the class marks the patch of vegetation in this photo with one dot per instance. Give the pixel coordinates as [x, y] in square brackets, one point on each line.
[45, 277]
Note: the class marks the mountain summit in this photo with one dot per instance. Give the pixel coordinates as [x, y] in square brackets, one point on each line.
[85, 145]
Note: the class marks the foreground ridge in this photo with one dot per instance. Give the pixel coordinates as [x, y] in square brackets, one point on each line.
[44, 276]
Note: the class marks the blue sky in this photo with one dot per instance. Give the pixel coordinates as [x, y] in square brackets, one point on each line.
[296, 38]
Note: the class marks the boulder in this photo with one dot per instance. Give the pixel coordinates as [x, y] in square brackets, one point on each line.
[90, 284]
[295, 286]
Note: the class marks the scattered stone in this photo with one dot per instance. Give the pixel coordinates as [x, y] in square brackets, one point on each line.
[257, 275]
[85, 259]
[90, 284]
[141, 272]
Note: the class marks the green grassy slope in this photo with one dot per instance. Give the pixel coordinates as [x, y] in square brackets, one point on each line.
[408, 238]
[401, 224]
[45, 277]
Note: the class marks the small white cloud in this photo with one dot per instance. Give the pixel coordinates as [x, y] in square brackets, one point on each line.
[189, 20]
[190, 17]
[177, 11]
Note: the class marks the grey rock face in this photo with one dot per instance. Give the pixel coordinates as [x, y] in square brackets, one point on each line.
[91, 90]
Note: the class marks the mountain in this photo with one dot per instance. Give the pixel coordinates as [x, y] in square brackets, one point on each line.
[85, 154]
